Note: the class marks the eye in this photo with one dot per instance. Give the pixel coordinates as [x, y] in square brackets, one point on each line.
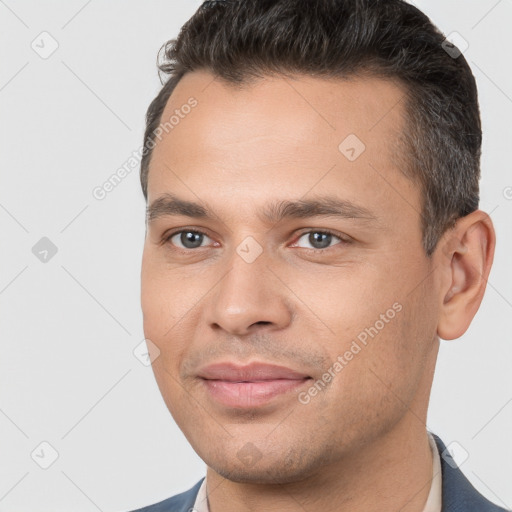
[188, 238]
[319, 239]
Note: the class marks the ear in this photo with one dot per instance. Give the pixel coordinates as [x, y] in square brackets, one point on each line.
[466, 254]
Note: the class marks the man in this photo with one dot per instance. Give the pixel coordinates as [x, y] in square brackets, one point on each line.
[311, 172]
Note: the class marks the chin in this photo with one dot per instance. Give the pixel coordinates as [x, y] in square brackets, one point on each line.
[251, 467]
[267, 475]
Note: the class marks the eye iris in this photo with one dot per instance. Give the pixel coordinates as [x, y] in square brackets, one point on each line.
[191, 239]
[324, 239]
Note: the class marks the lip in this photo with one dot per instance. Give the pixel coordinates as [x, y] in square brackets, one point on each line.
[251, 372]
[249, 386]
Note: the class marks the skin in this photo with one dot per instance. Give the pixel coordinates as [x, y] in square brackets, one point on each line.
[361, 442]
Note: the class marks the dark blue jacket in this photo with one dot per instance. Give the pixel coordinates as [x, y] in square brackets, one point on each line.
[458, 493]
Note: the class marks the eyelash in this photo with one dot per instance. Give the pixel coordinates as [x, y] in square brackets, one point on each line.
[343, 240]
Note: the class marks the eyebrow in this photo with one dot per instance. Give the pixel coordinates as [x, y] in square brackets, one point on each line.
[325, 206]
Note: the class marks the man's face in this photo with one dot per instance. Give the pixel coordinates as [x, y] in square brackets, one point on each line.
[351, 315]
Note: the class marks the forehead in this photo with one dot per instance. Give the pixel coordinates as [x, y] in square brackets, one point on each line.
[306, 108]
[282, 137]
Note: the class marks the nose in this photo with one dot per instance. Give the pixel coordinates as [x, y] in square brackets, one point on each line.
[249, 297]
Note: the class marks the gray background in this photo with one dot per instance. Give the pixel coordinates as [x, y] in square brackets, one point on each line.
[70, 324]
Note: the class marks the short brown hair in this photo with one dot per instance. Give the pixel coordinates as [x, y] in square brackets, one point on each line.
[241, 40]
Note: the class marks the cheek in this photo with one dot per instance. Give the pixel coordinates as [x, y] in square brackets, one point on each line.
[166, 312]
[349, 300]
[375, 335]
[167, 298]
[375, 387]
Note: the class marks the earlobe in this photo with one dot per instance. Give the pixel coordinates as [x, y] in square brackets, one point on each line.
[467, 258]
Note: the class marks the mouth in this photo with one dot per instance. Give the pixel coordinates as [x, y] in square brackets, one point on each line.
[250, 386]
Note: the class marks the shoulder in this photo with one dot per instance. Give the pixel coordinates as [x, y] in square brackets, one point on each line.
[458, 494]
[183, 502]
